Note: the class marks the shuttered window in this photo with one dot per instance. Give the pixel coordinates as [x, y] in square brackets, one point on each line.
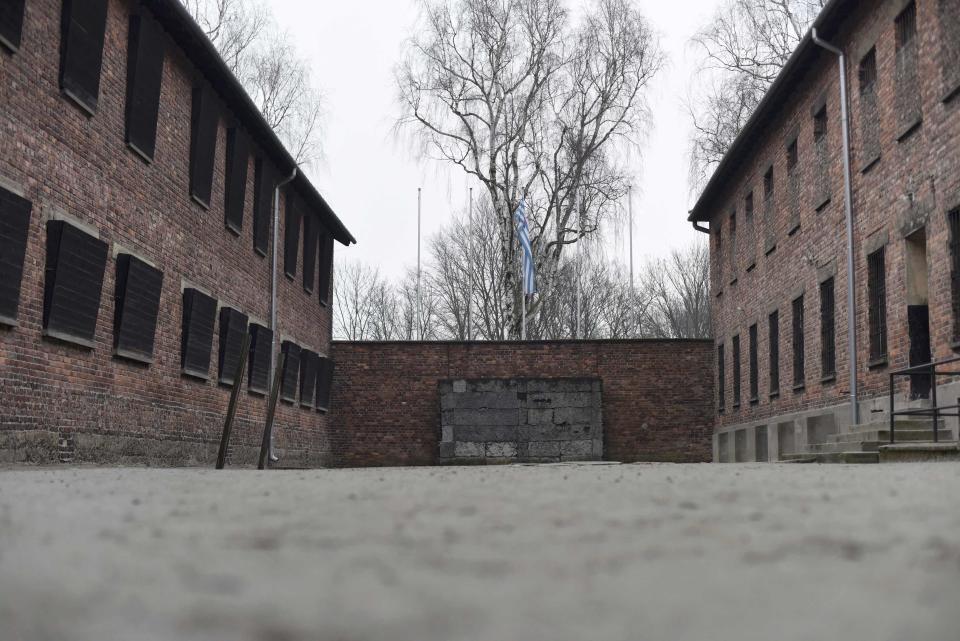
[11, 23]
[291, 371]
[721, 379]
[291, 235]
[754, 368]
[774, 354]
[263, 186]
[310, 237]
[203, 143]
[908, 105]
[877, 305]
[233, 328]
[799, 365]
[199, 316]
[73, 281]
[869, 110]
[136, 304]
[324, 383]
[309, 361]
[81, 50]
[953, 220]
[326, 266]
[828, 351]
[145, 53]
[793, 187]
[14, 227]
[949, 18]
[235, 178]
[261, 344]
[736, 371]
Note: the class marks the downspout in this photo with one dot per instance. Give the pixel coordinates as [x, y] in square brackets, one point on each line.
[848, 208]
[698, 227]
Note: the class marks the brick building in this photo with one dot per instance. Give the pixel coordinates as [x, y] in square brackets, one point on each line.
[142, 196]
[777, 220]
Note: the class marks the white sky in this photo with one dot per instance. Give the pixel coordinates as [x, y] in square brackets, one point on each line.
[371, 180]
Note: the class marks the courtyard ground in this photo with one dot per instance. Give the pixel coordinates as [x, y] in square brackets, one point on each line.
[561, 552]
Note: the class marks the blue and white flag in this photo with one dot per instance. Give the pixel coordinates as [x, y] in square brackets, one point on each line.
[523, 231]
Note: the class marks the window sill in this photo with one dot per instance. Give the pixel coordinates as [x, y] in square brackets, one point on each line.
[751, 266]
[770, 249]
[951, 93]
[6, 321]
[8, 46]
[88, 109]
[719, 293]
[774, 395]
[954, 344]
[192, 373]
[260, 252]
[288, 400]
[909, 129]
[755, 400]
[256, 391]
[205, 205]
[733, 282]
[736, 406]
[324, 303]
[793, 230]
[323, 410]
[233, 229]
[139, 153]
[829, 378]
[130, 355]
[64, 337]
[290, 276]
[877, 363]
[823, 204]
[799, 388]
[870, 164]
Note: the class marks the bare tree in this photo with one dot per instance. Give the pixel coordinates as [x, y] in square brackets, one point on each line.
[678, 290]
[355, 306]
[743, 49]
[262, 58]
[533, 109]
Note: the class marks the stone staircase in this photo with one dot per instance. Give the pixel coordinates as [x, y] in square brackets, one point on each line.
[870, 443]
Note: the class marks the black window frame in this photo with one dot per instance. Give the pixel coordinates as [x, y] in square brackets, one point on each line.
[260, 359]
[799, 344]
[953, 225]
[325, 370]
[236, 163]
[138, 287]
[325, 251]
[737, 374]
[877, 306]
[311, 239]
[828, 331]
[16, 213]
[754, 369]
[199, 316]
[291, 235]
[309, 364]
[233, 329]
[264, 185]
[83, 25]
[721, 379]
[773, 353]
[204, 123]
[146, 52]
[11, 25]
[290, 378]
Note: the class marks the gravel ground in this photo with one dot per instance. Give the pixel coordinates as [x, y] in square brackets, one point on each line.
[518, 553]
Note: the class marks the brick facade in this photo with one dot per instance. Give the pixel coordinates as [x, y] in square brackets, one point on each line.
[905, 138]
[657, 395]
[64, 401]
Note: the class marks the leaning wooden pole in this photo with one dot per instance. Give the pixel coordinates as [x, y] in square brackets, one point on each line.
[271, 411]
[234, 396]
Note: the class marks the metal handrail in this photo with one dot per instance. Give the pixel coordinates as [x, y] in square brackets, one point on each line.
[935, 412]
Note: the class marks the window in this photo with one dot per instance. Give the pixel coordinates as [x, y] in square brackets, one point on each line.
[324, 383]
[308, 378]
[233, 328]
[310, 238]
[953, 220]
[733, 245]
[263, 185]
[73, 280]
[822, 168]
[869, 109]
[750, 238]
[949, 14]
[877, 298]
[11, 23]
[774, 355]
[14, 227]
[291, 236]
[81, 50]
[721, 380]
[718, 252]
[196, 340]
[291, 371]
[793, 187]
[326, 266]
[235, 183]
[144, 78]
[203, 144]
[828, 352]
[136, 304]
[258, 365]
[769, 213]
[820, 124]
[792, 156]
[907, 70]
[748, 206]
[799, 370]
[736, 371]
[754, 373]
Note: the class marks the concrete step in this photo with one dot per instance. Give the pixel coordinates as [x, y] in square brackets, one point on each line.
[798, 458]
[919, 423]
[883, 435]
[919, 452]
[846, 446]
[850, 457]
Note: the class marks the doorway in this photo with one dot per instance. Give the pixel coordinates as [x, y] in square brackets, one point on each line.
[918, 310]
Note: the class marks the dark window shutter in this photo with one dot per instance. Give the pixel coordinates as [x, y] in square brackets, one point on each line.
[14, 228]
[203, 143]
[326, 266]
[262, 206]
[145, 53]
[199, 314]
[81, 50]
[291, 235]
[310, 231]
[238, 157]
[324, 383]
[233, 327]
[136, 305]
[291, 371]
[308, 377]
[261, 341]
[11, 23]
[73, 280]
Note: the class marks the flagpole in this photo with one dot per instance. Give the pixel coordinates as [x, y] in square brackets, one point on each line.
[470, 260]
[579, 266]
[523, 297]
[630, 203]
[419, 325]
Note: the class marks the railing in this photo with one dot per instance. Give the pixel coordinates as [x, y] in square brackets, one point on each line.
[931, 370]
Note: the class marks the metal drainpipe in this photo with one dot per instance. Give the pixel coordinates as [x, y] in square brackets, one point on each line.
[848, 207]
[273, 282]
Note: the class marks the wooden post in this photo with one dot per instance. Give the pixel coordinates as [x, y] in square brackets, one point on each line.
[271, 410]
[234, 395]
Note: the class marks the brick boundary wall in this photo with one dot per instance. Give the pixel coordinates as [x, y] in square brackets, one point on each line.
[657, 394]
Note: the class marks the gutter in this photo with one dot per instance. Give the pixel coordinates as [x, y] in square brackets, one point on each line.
[848, 210]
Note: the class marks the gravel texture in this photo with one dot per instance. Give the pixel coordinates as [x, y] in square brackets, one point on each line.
[580, 552]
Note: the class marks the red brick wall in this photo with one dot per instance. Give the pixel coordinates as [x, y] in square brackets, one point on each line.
[67, 161]
[657, 395]
[925, 166]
